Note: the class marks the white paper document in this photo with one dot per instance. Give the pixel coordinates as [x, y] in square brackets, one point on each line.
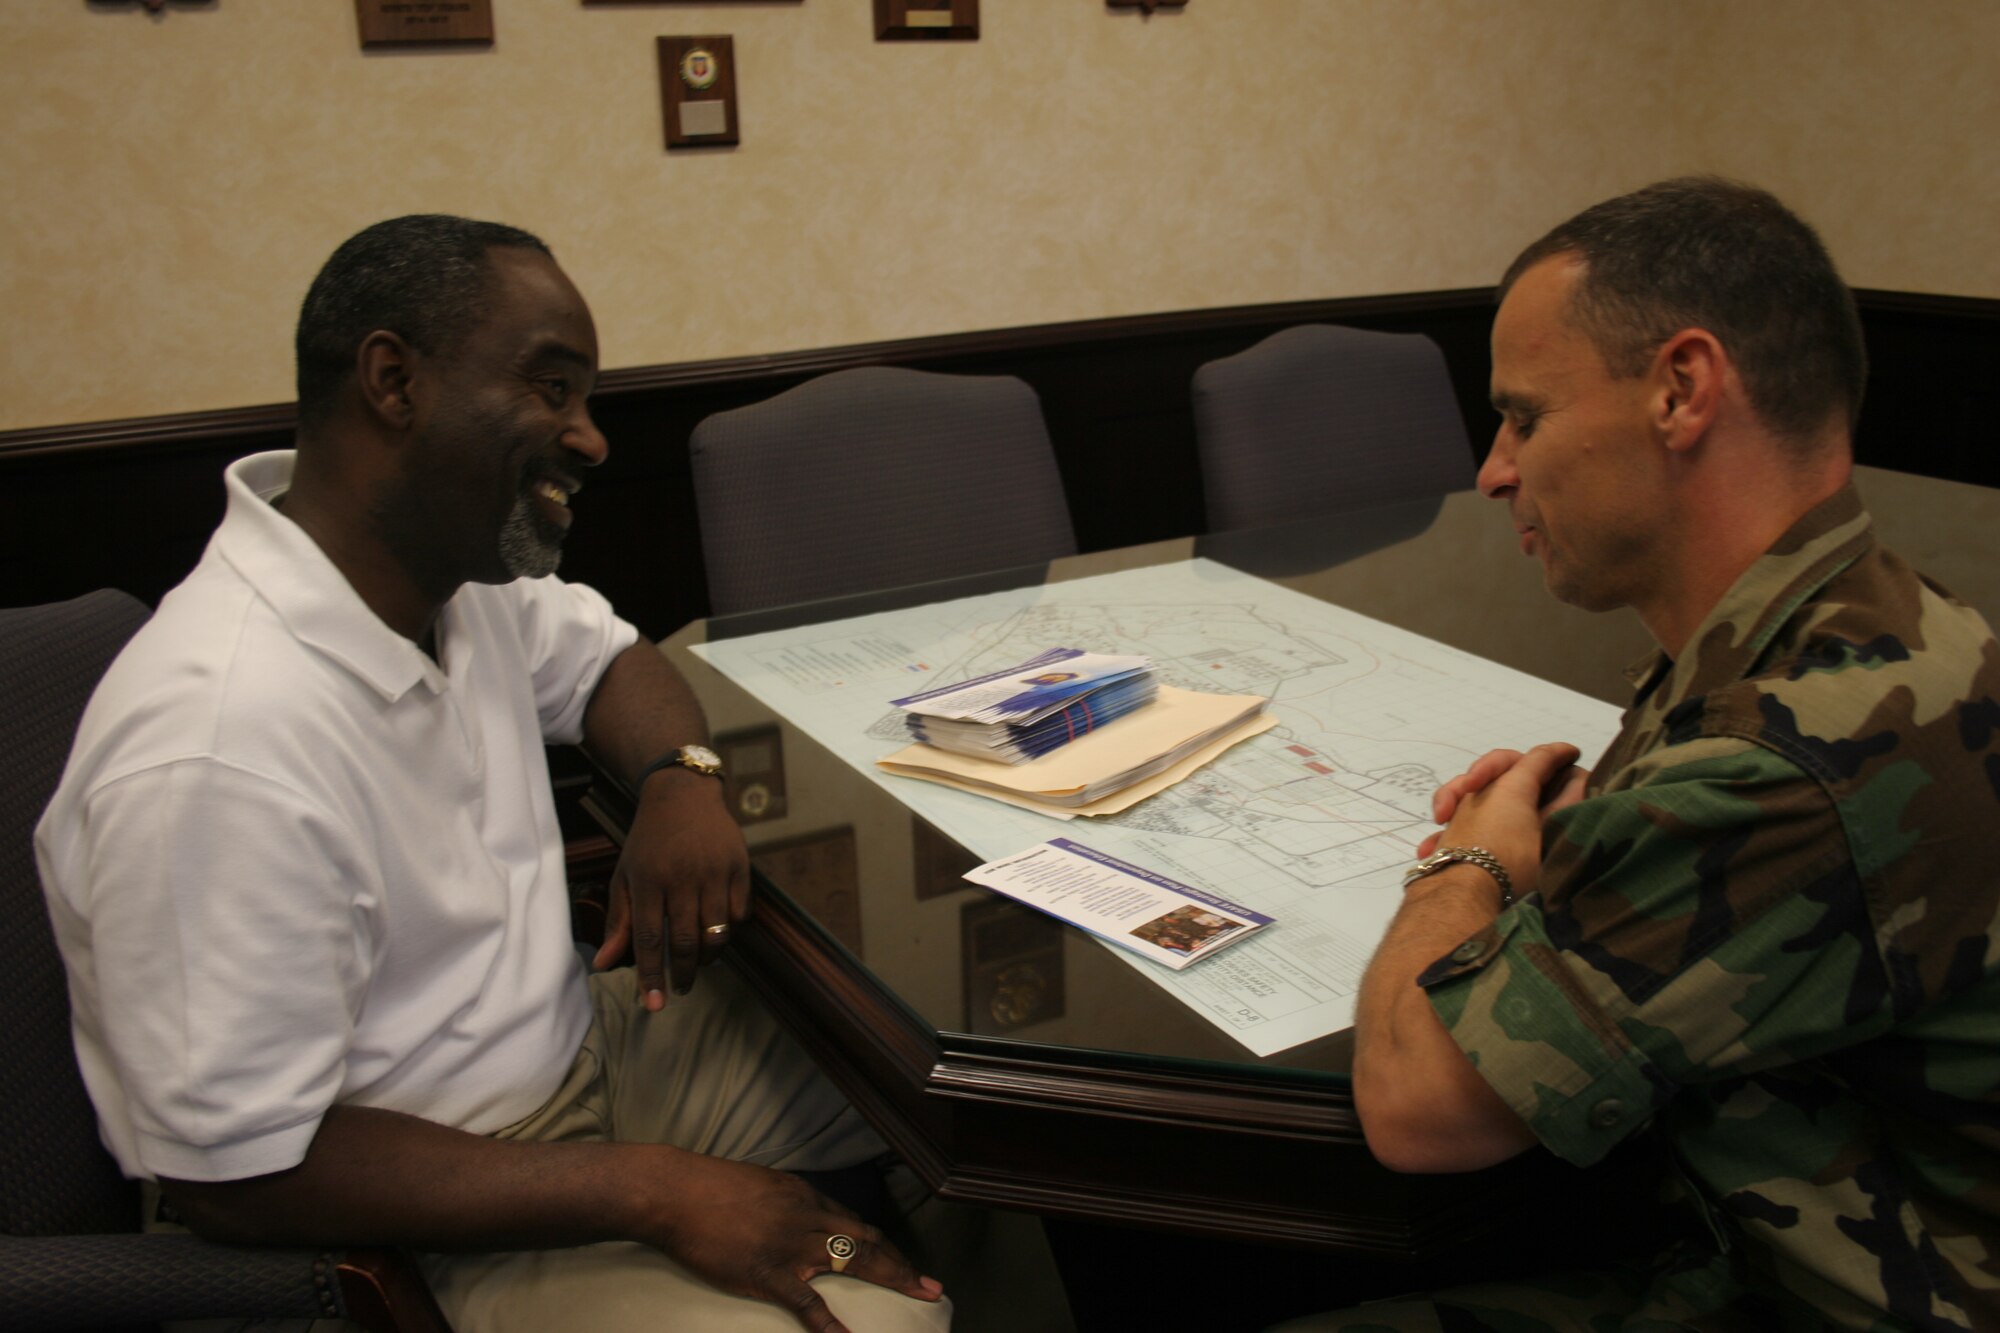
[1088, 775]
[1173, 924]
[1311, 823]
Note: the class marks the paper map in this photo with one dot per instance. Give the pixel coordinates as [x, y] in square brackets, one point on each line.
[1311, 823]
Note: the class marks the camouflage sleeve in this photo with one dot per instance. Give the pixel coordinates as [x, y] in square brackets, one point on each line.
[1699, 918]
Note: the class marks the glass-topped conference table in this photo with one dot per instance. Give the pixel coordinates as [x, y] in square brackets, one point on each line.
[1016, 1061]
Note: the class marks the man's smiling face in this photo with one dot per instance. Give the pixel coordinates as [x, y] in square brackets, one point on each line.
[503, 436]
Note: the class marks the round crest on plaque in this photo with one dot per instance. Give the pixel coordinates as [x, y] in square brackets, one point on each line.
[699, 69]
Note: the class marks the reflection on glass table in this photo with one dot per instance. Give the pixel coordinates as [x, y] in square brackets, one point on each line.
[1017, 1061]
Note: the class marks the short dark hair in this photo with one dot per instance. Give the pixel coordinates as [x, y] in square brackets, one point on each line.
[1704, 252]
[423, 277]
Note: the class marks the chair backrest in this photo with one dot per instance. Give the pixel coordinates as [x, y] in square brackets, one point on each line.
[874, 478]
[1320, 418]
[55, 1176]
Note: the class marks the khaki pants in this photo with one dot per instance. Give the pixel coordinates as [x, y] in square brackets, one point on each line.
[712, 1073]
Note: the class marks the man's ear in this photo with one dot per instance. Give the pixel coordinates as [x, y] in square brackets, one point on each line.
[1690, 373]
[383, 369]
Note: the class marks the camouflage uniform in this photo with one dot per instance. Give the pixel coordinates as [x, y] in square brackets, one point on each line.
[1770, 931]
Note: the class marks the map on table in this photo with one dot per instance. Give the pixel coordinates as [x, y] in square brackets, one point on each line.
[1311, 823]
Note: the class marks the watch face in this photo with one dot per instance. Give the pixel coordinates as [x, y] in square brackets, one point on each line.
[702, 758]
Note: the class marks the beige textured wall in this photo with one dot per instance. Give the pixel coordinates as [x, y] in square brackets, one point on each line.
[1880, 121]
[174, 181]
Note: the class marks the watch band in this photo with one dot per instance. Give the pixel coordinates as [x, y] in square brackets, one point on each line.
[1477, 856]
[678, 757]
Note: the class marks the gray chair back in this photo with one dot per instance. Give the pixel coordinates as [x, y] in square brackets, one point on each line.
[1321, 418]
[55, 1176]
[875, 478]
[71, 1255]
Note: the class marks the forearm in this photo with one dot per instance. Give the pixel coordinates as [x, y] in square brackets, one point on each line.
[1423, 1105]
[642, 709]
[379, 1177]
[684, 878]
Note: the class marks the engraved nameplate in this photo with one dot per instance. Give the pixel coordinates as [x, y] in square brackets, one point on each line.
[423, 22]
[927, 20]
[704, 118]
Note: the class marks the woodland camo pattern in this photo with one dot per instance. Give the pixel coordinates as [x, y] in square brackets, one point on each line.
[1769, 933]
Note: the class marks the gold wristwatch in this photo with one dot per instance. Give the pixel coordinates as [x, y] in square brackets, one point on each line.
[698, 758]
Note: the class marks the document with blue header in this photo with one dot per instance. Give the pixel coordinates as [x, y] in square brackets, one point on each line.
[1022, 712]
[1018, 743]
[1172, 923]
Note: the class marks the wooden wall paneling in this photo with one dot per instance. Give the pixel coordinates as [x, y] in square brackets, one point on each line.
[1933, 400]
[130, 503]
[129, 518]
[636, 537]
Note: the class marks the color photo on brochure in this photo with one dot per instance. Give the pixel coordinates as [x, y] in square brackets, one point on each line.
[1162, 919]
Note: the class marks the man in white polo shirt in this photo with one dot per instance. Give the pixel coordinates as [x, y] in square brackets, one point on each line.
[306, 875]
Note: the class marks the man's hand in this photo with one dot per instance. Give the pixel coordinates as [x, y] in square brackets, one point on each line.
[1564, 789]
[684, 869]
[1504, 812]
[755, 1232]
[1423, 1105]
[394, 1179]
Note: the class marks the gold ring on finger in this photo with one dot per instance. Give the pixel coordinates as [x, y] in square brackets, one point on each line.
[840, 1249]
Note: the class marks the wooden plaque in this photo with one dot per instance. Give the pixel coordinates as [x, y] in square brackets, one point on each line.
[423, 22]
[1012, 964]
[926, 20]
[753, 773]
[819, 872]
[698, 90]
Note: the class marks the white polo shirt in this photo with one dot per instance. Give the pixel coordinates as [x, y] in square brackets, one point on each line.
[294, 863]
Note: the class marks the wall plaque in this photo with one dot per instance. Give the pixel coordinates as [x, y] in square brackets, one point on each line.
[753, 774]
[402, 22]
[926, 20]
[1012, 965]
[819, 872]
[698, 90]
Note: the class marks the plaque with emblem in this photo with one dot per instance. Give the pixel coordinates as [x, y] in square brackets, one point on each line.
[423, 22]
[753, 774]
[926, 20]
[1011, 960]
[698, 90]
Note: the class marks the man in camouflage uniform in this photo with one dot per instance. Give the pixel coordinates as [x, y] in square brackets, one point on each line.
[1765, 925]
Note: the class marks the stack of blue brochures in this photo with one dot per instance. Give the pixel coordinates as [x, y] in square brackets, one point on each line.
[1025, 711]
